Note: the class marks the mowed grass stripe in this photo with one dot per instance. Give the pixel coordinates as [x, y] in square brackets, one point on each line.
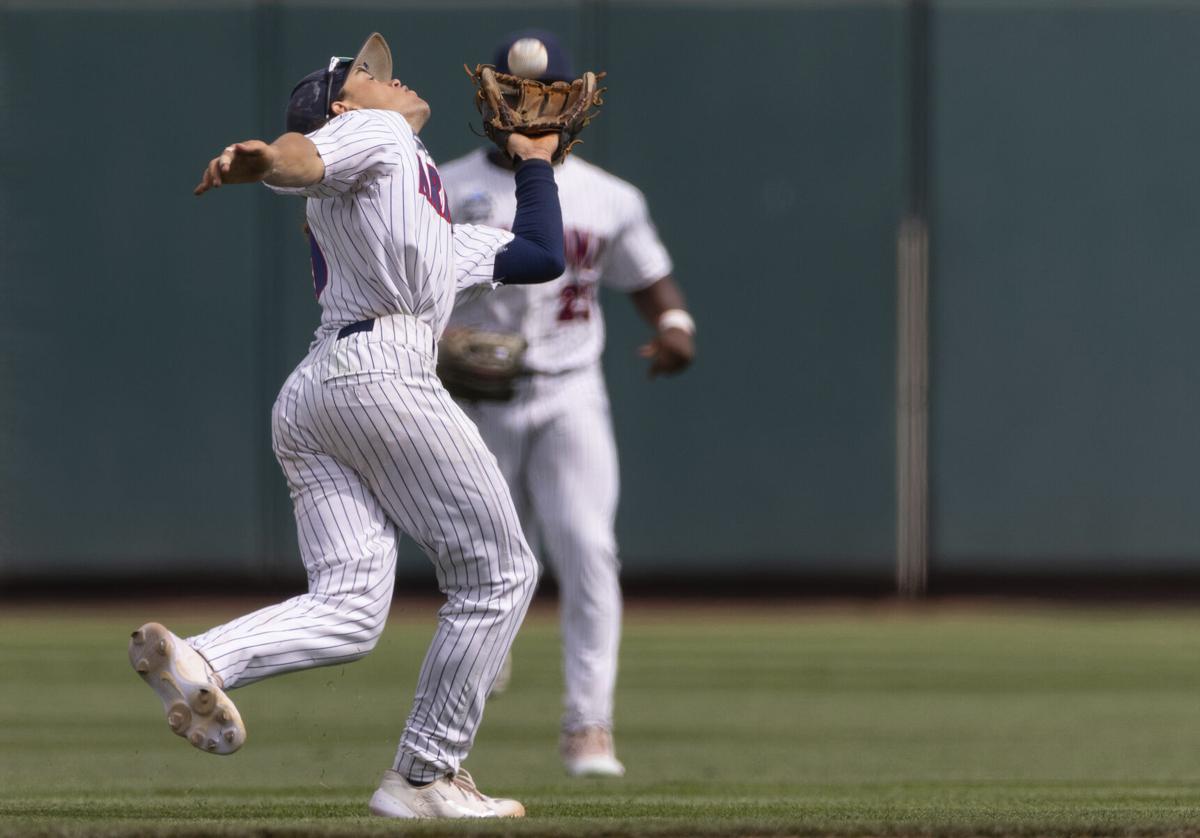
[804, 721]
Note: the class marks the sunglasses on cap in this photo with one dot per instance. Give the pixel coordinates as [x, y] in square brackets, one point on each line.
[335, 62]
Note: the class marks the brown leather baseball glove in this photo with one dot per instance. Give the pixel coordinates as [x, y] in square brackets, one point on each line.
[480, 366]
[511, 104]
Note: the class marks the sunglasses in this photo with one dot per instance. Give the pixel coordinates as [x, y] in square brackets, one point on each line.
[334, 62]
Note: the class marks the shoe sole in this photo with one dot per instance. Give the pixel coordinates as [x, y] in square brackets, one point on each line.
[198, 711]
[595, 767]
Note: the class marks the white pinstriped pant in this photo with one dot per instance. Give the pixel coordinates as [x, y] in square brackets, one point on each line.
[371, 442]
[554, 442]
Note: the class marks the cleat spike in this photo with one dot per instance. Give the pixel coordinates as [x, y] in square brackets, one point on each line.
[222, 716]
[197, 738]
[230, 736]
[163, 646]
[143, 666]
[211, 745]
[205, 702]
[179, 718]
[138, 637]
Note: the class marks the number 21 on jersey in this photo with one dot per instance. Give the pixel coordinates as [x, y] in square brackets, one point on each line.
[575, 301]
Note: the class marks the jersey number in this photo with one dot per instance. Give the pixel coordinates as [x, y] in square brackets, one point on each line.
[575, 301]
[431, 187]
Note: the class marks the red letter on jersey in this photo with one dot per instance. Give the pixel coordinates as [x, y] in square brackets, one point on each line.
[430, 186]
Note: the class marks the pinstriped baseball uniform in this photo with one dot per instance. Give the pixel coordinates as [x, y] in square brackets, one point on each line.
[371, 443]
[554, 440]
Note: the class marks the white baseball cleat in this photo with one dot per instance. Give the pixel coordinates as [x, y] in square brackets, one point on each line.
[197, 708]
[588, 752]
[448, 797]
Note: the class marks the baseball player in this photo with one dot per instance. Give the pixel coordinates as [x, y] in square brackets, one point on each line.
[370, 442]
[554, 438]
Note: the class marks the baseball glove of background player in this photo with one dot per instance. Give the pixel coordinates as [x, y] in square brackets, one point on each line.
[511, 104]
[480, 366]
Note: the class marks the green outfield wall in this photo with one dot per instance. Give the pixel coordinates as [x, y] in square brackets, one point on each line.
[1066, 356]
[144, 332]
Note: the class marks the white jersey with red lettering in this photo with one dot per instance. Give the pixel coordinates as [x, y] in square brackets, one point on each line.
[554, 440]
[373, 445]
[380, 232]
[610, 240]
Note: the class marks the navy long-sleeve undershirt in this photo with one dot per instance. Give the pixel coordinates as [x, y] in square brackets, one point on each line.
[536, 252]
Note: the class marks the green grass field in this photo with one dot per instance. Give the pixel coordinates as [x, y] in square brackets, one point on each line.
[734, 720]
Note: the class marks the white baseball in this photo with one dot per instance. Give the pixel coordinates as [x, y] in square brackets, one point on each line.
[527, 58]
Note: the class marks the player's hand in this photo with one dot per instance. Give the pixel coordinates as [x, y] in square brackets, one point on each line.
[533, 148]
[247, 162]
[671, 352]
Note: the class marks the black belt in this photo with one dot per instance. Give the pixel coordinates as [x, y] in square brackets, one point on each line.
[360, 326]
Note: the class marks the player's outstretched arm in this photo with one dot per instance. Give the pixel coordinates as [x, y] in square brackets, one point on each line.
[292, 160]
[662, 306]
[536, 252]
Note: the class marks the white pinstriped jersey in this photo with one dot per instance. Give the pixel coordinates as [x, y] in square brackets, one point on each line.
[381, 236]
[609, 240]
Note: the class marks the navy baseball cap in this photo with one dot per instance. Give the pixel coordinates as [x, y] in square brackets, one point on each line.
[558, 64]
[314, 95]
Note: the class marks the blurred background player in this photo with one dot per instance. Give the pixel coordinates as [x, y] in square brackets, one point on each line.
[554, 439]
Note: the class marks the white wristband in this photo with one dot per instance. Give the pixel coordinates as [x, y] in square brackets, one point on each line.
[676, 318]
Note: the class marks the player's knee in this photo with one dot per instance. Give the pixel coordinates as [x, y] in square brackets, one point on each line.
[521, 581]
[364, 630]
[362, 642]
[531, 574]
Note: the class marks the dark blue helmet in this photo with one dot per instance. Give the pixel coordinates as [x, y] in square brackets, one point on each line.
[313, 96]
